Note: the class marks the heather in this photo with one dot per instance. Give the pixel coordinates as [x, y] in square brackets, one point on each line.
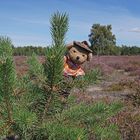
[106, 63]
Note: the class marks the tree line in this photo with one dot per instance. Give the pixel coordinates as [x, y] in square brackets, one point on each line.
[29, 50]
[102, 42]
[117, 50]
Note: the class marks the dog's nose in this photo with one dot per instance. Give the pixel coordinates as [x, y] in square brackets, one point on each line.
[77, 58]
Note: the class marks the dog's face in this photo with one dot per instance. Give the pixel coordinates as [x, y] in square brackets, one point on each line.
[78, 55]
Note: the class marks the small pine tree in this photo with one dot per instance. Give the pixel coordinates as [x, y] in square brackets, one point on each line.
[7, 85]
[45, 80]
[15, 117]
[54, 56]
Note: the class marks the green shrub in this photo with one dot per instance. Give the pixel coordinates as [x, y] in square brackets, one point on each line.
[7, 85]
[109, 132]
[57, 131]
[91, 77]
[14, 116]
[81, 121]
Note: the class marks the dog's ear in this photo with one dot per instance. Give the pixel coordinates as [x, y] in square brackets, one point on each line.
[89, 57]
[69, 46]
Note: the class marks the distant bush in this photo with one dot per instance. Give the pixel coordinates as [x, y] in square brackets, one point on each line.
[130, 50]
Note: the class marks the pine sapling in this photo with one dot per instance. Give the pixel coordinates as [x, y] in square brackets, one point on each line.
[7, 85]
[54, 57]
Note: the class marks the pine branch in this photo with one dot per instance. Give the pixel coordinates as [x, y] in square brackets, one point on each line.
[46, 108]
[59, 27]
[54, 55]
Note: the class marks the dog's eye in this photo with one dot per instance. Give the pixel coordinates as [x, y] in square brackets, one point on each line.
[83, 55]
[74, 51]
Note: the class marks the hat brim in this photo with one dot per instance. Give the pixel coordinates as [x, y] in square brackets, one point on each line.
[85, 47]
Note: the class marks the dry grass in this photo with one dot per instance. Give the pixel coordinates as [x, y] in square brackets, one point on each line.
[129, 123]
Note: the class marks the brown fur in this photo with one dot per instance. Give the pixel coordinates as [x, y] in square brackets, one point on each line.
[77, 54]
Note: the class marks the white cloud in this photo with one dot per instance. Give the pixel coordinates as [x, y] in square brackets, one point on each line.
[136, 30]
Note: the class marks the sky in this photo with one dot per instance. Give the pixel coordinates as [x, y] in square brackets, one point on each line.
[27, 22]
